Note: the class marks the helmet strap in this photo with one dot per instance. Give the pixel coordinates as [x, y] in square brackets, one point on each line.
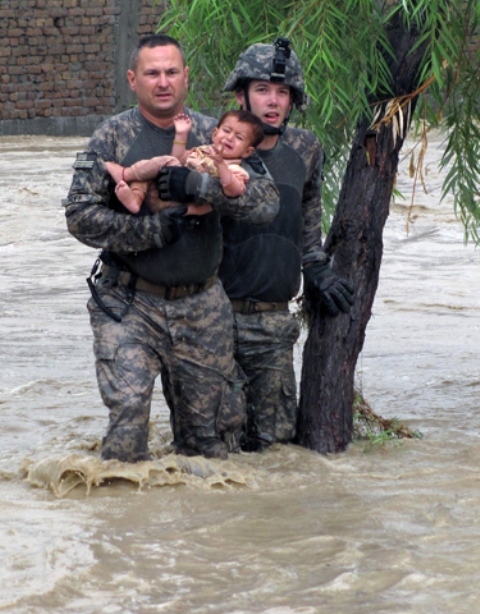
[273, 130]
[246, 98]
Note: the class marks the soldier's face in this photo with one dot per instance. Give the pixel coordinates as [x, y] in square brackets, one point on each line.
[271, 102]
[160, 82]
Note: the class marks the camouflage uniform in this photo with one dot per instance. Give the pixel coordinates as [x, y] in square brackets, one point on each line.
[261, 269]
[188, 339]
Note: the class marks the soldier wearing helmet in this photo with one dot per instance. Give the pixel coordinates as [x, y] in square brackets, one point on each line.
[274, 63]
[261, 267]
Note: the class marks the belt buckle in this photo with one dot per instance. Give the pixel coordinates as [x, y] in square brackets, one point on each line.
[170, 292]
[250, 307]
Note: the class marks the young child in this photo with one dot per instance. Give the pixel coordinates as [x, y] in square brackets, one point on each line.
[234, 139]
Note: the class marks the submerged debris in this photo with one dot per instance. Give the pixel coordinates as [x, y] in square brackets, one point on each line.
[369, 425]
[63, 473]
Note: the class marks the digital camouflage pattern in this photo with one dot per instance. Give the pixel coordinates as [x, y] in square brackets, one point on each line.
[264, 348]
[188, 340]
[308, 147]
[257, 62]
[92, 213]
[264, 342]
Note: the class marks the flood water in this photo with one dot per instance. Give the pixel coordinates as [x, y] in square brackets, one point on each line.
[392, 529]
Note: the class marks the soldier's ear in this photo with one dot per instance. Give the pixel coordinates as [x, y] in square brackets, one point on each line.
[240, 98]
[131, 80]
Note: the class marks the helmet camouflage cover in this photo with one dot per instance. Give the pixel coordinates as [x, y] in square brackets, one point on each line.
[276, 63]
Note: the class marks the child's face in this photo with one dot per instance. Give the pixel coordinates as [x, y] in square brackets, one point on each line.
[235, 136]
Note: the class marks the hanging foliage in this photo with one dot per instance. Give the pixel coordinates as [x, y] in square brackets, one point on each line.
[344, 49]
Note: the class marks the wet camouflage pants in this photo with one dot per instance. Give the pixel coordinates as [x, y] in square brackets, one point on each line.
[189, 340]
[264, 350]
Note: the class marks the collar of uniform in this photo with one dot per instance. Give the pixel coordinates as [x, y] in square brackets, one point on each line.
[268, 154]
[165, 132]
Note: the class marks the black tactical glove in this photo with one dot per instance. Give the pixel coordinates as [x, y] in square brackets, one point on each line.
[333, 292]
[256, 163]
[173, 223]
[178, 183]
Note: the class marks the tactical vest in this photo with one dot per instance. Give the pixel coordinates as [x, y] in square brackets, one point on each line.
[196, 255]
[262, 262]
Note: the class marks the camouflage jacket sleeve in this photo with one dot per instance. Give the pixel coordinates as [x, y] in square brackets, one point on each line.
[308, 146]
[258, 205]
[89, 216]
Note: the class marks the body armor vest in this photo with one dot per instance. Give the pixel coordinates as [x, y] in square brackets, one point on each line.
[262, 262]
[196, 255]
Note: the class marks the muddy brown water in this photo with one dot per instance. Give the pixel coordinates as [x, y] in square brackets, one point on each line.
[393, 529]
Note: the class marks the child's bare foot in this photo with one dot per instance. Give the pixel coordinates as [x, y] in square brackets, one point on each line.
[129, 199]
[115, 170]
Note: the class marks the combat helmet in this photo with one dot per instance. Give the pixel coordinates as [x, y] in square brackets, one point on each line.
[276, 63]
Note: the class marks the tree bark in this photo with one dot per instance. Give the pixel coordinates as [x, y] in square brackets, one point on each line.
[355, 240]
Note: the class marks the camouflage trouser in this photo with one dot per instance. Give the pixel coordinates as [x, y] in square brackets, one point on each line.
[264, 349]
[188, 339]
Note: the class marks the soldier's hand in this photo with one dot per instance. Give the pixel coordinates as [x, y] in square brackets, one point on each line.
[178, 183]
[173, 222]
[334, 293]
[256, 163]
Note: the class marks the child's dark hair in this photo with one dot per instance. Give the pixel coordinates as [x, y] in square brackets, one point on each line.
[245, 117]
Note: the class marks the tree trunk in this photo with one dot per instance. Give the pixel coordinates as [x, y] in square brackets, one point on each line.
[325, 421]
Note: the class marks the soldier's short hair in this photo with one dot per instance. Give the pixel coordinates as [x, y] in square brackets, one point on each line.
[152, 41]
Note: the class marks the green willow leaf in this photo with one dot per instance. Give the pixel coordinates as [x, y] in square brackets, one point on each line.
[345, 51]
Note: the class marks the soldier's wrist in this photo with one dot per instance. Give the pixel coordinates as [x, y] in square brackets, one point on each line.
[318, 256]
